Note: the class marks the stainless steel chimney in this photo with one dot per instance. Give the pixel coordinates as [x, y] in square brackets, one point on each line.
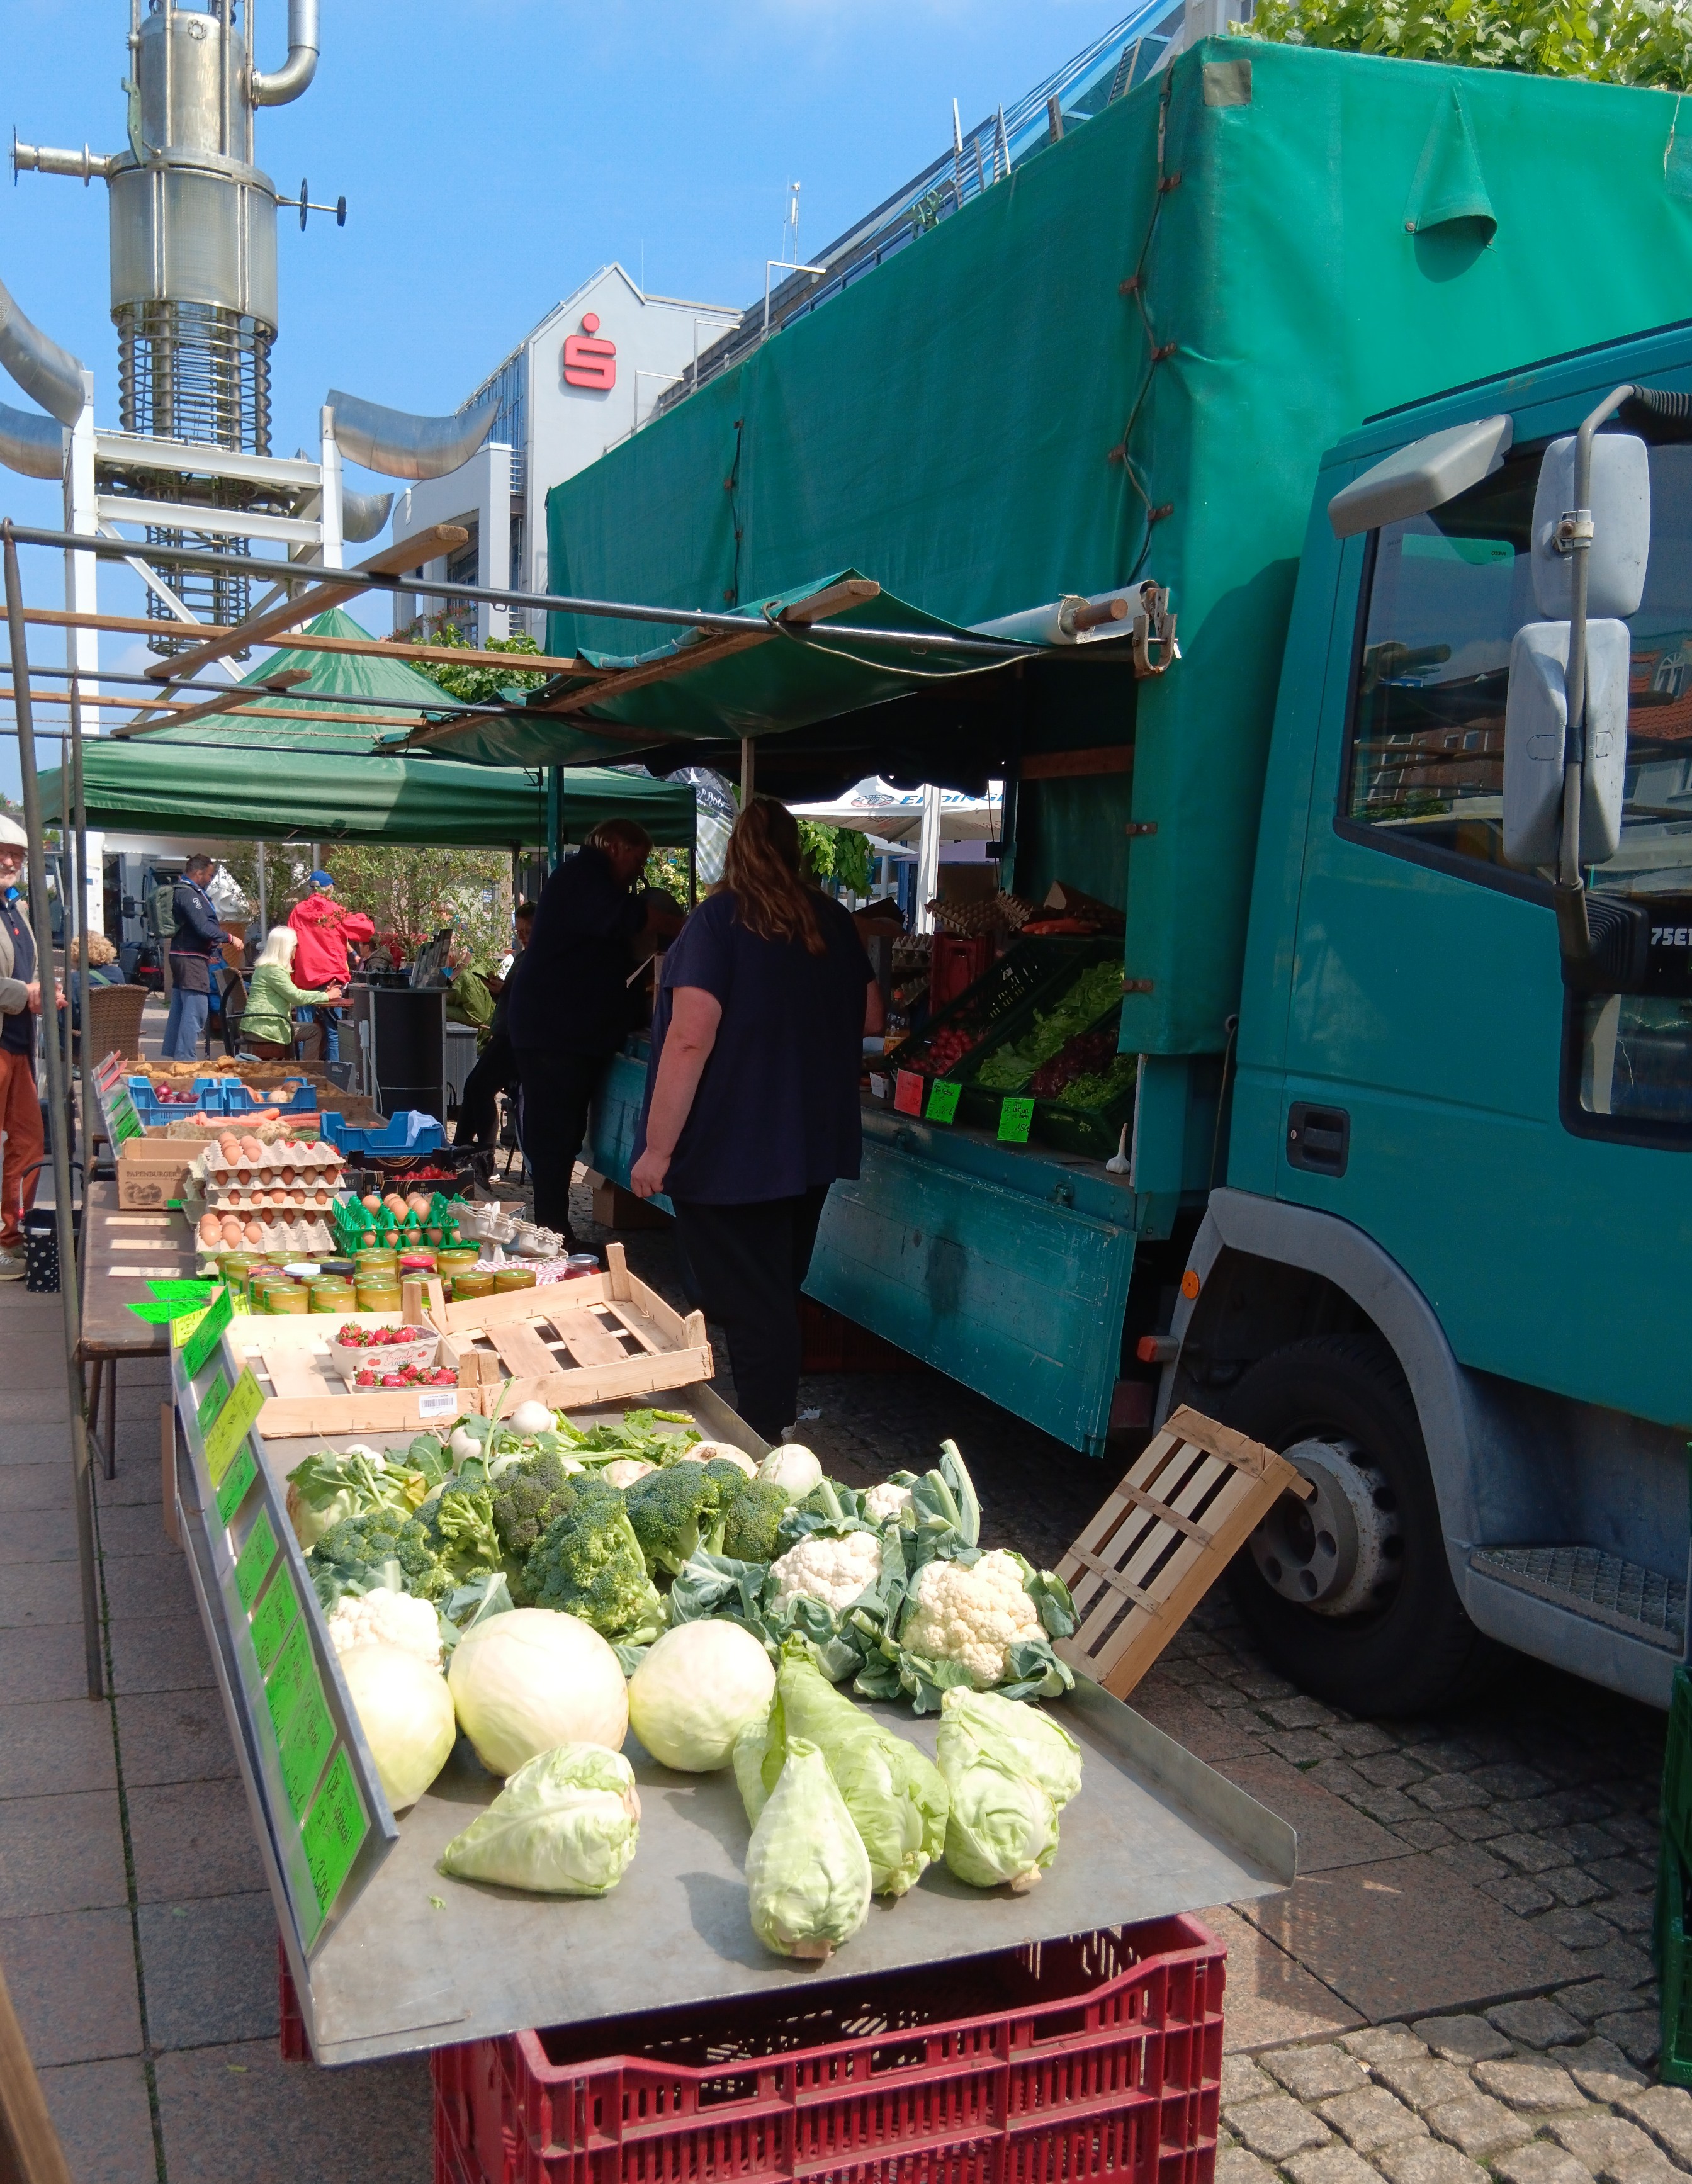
[193, 256]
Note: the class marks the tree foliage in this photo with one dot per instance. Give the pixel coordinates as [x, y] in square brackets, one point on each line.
[839, 853]
[409, 890]
[1632, 41]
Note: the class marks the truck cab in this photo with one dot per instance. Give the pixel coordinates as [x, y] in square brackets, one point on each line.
[1441, 1274]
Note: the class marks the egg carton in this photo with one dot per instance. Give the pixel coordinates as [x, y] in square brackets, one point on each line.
[279, 1162]
[309, 1239]
[486, 1221]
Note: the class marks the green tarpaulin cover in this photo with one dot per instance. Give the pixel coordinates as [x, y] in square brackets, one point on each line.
[1324, 236]
[787, 676]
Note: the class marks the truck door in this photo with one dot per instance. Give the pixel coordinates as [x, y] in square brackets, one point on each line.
[1521, 1150]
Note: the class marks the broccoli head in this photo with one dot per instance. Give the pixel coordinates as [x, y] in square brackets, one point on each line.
[589, 1563]
[677, 1511]
[351, 1551]
[753, 1519]
[527, 1497]
[450, 1541]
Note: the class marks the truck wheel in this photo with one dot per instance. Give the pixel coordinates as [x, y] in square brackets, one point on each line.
[1349, 1594]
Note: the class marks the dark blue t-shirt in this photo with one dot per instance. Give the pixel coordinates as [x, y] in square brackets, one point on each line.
[777, 1112]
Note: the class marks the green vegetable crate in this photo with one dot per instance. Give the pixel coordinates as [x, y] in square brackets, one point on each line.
[1093, 1132]
[1673, 1900]
[1029, 972]
[354, 1222]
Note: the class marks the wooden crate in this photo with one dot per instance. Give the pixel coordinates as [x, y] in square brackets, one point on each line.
[1146, 1560]
[606, 1339]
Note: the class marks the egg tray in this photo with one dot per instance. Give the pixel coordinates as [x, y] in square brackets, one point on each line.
[355, 1222]
[311, 1162]
[309, 1238]
[315, 1199]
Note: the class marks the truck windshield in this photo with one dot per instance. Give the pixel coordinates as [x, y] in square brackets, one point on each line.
[1447, 593]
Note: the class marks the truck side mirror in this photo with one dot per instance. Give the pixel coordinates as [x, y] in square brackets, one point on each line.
[1619, 502]
[1535, 734]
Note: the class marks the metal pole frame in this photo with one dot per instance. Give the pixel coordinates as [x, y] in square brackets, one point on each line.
[69, 1287]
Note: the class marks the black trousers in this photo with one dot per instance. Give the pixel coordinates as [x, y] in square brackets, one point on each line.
[495, 1072]
[744, 1266]
[557, 1089]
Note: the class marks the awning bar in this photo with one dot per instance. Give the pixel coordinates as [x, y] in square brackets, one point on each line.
[272, 571]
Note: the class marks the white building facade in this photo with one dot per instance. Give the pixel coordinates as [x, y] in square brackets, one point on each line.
[589, 375]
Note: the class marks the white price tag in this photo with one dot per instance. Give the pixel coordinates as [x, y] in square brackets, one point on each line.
[437, 1403]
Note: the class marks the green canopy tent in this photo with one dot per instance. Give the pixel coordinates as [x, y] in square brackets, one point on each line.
[307, 780]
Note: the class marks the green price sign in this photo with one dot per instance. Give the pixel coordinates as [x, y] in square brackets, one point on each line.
[240, 1475]
[253, 1564]
[942, 1101]
[310, 1739]
[274, 1618]
[232, 1425]
[334, 1830]
[1015, 1116]
[202, 1341]
[293, 1675]
[212, 1401]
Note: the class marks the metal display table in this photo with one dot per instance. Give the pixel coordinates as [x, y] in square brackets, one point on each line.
[388, 1957]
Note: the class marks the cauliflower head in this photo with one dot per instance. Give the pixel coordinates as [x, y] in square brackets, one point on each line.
[834, 1571]
[885, 1501]
[381, 1617]
[972, 1615]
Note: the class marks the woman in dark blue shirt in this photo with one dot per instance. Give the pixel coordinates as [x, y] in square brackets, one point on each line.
[751, 1106]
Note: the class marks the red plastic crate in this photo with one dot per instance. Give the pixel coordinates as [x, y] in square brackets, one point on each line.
[831, 1343]
[956, 961]
[1099, 2056]
[291, 2033]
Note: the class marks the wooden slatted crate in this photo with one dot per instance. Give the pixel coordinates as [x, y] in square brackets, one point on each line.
[1142, 1564]
[606, 1339]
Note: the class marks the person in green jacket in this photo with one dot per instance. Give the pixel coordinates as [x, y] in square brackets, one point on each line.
[468, 1001]
[267, 1025]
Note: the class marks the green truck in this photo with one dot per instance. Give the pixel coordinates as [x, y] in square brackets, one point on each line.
[1406, 1196]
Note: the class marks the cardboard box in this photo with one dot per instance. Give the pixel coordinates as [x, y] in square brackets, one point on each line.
[152, 1171]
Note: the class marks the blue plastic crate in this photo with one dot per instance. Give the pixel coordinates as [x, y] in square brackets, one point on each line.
[208, 1100]
[409, 1131]
[237, 1100]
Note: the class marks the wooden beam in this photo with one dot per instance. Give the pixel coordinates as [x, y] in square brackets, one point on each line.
[371, 647]
[1075, 765]
[834, 598]
[258, 629]
[28, 2146]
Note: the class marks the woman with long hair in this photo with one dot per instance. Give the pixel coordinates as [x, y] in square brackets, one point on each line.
[751, 1108]
[267, 1025]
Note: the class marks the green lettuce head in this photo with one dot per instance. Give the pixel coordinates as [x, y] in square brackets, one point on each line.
[1007, 1781]
[566, 1823]
[808, 1873]
[895, 1794]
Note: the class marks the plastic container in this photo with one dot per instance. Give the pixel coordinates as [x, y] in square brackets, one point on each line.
[1098, 2055]
[1029, 971]
[512, 1278]
[407, 1132]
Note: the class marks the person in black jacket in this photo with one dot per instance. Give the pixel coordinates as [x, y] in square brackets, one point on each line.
[570, 1008]
[496, 1066]
[197, 939]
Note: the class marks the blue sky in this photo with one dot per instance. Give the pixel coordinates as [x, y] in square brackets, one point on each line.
[493, 152]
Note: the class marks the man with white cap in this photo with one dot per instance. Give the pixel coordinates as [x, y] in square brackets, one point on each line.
[20, 1006]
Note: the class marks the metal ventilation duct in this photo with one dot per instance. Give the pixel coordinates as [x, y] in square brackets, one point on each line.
[31, 443]
[39, 366]
[401, 445]
[363, 515]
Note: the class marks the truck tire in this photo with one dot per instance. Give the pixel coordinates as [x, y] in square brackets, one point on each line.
[1407, 1645]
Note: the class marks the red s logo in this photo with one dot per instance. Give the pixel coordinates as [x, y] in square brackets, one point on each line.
[589, 362]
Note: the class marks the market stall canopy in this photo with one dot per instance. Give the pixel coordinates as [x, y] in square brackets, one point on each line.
[346, 701]
[896, 814]
[290, 794]
[836, 646]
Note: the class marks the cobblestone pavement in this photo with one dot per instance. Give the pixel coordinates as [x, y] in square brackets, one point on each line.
[1461, 1974]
